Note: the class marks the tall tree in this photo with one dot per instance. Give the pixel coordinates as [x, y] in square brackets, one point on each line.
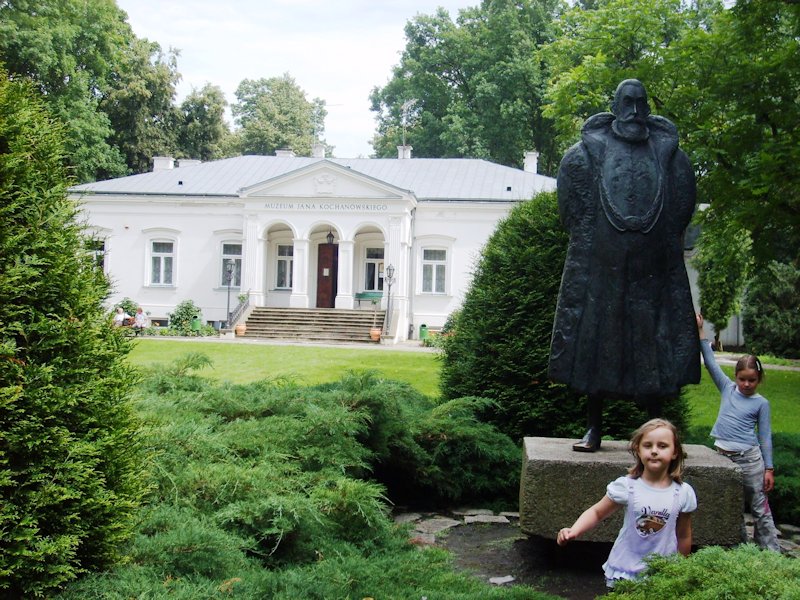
[477, 83]
[70, 473]
[68, 48]
[139, 99]
[203, 129]
[113, 91]
[274, 113]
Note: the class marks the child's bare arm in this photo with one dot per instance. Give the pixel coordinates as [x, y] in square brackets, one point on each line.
[684, 532]
[590, 518]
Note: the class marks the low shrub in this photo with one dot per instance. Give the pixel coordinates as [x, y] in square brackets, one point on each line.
[180, 319]
[743, 573]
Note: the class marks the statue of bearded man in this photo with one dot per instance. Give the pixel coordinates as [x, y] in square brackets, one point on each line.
[625, 323]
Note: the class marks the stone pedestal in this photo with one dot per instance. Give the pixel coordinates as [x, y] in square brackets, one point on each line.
[558, 484]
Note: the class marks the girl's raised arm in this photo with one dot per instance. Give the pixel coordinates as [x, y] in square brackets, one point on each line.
[717, 375]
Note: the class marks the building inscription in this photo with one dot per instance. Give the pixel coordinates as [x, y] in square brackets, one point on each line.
[334, 206]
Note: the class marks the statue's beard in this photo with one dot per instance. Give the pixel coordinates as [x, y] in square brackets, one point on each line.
[633, 129]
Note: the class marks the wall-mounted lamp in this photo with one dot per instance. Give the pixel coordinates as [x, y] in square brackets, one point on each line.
[329, 237]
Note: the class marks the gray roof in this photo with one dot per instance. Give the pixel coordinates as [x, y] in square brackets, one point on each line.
[426, 178]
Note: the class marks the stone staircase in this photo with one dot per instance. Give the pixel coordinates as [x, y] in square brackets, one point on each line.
[312, 324]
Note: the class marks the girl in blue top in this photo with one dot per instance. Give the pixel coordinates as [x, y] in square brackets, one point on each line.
[743, 433]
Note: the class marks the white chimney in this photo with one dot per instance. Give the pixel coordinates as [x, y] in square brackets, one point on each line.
[285, 152]
[188, 162]
[318, 150]
[163, 163]
[404, 151]
[531, 163]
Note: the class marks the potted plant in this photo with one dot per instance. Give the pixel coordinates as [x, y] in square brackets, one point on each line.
[375, 331]
[240, 328]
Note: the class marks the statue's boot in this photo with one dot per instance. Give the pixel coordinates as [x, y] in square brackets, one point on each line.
[591, 441]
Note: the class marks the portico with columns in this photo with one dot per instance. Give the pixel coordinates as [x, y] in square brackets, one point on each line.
[303, 233]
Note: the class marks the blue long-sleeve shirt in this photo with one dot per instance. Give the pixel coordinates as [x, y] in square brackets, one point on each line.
[739, 416]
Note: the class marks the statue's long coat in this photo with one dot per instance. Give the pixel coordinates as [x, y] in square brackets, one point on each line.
[625, 323]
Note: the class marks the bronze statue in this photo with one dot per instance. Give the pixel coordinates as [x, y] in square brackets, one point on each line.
[625, 324]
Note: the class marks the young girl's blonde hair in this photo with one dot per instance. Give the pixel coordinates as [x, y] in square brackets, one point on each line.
[675, 467]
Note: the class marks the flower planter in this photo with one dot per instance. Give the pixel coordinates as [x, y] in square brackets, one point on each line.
[375, 334]
[240, 329]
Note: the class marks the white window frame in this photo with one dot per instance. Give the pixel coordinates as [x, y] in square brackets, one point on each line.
[152, 254]
[379, 262]
[288, 261]
[236, 280]
[434, 265]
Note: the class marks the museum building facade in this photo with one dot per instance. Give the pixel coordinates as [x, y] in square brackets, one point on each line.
[303, 232]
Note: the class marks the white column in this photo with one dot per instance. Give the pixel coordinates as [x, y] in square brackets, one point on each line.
[344, 282]
[252, 271]
[299, 297]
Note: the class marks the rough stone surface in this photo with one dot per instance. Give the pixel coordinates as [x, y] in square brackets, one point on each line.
[436, 525]
[485, 518]
[558, 484]
[472, 511]
[407, 518]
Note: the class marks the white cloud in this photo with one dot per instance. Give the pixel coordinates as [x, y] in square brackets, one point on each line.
[337, 51]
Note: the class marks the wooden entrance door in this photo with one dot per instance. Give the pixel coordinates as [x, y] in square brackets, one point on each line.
[327, 275]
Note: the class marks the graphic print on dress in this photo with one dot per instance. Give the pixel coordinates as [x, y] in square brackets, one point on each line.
[651, 521]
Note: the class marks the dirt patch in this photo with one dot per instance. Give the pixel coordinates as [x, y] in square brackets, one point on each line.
[498, 550]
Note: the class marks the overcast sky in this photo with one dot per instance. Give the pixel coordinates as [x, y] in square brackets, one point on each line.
[335, 50]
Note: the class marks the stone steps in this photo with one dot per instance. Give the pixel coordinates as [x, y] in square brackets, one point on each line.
[313, 325]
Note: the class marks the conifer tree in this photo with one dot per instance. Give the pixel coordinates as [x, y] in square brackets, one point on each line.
[69, 464]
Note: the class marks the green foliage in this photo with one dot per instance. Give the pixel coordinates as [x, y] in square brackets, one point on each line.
[723, 265]
[274, 113]
[771, 320]
[478, 85]
[180, 319]
[69, 449]
[138, 99]
[500, 345]
[261, 489]
[743, 573]
[128, 305]
[784, 500]
[203, 131]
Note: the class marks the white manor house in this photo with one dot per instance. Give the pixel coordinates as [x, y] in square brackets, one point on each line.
[303, 232]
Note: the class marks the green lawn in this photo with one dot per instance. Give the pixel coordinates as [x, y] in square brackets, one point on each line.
[242, 363]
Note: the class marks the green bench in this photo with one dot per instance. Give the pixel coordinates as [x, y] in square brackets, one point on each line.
[371, 296]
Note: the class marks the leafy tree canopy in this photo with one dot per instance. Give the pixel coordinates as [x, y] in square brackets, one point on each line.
[473, 87]
[204, 131]
[274, 113]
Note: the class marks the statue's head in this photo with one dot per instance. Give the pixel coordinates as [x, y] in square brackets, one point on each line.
[631, 109]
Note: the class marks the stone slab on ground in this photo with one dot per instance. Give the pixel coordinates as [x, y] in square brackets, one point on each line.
[485, 519]
[558, 484]
[436, 525]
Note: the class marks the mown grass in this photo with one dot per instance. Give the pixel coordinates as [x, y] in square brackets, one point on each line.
[309, 365]
[306, 365]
